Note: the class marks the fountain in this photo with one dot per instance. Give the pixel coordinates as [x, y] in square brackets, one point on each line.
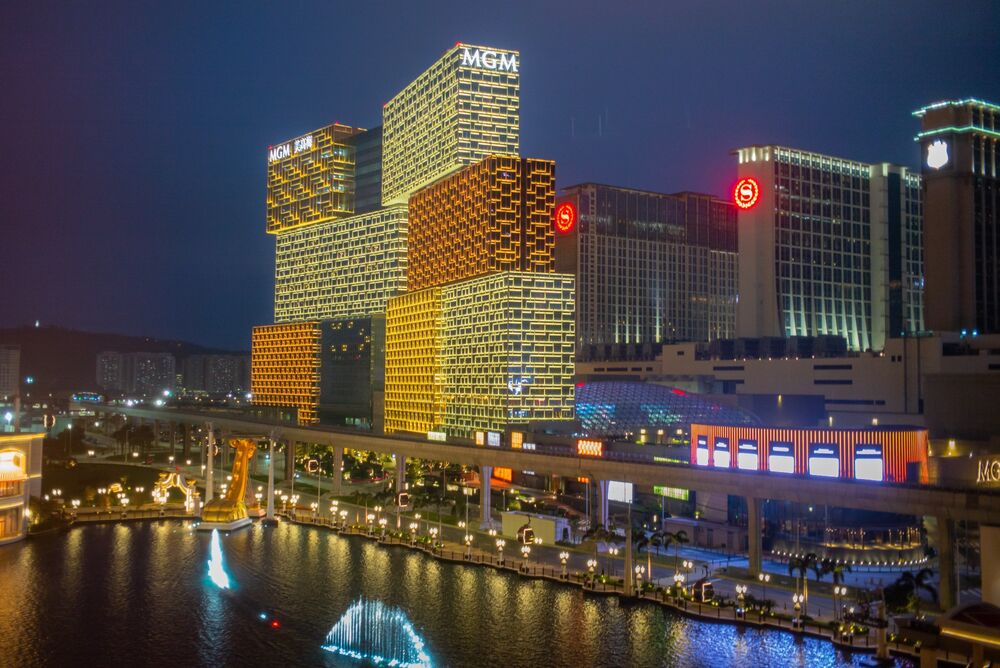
[216, 569]
[378, 633]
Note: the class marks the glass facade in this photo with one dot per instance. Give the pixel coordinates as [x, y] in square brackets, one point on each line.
[341, 268]
[616, 408]
[463, 108]
[651, 269]
[843, 241]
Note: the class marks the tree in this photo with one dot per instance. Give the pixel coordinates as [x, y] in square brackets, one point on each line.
[601, 534]
[676, 539]
[913, 583]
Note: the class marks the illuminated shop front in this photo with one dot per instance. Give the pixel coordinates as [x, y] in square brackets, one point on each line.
[878, 454]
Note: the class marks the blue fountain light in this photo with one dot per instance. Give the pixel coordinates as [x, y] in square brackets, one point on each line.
[378, 633]
[216, 569]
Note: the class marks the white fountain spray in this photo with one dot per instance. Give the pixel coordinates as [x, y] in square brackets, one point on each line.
[374, 632]
[216, 569]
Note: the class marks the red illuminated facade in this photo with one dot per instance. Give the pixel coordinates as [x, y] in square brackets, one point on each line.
[746, 193]
[890, 454]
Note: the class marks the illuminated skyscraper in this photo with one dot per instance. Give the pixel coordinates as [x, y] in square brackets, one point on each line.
[464, 107]
[960, 148]
[480, 354]
[651, 268]
[828, 247]
[495, 215]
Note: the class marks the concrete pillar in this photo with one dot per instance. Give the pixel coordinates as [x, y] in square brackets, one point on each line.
[629, 572]
[270, 480]
[486, 516]
[948, 590]
[602, 503]
[753, 535]
[209, 461]
[289, 459]
[989, 547]
[400, 473]
[338, 471]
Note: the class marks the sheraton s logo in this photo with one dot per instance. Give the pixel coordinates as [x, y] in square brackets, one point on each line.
[489, 60]
[746, 193]
[565, 217]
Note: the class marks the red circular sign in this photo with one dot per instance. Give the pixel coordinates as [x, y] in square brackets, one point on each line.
[746, 193]
[565, 217]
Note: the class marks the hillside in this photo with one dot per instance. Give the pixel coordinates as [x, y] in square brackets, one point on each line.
[62, 359]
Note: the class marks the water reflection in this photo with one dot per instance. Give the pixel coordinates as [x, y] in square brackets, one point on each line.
[139, 590]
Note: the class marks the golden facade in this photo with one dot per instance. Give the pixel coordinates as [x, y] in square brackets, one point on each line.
[463, 108]
[493, 216]
[490, 351]
[413, 372]
[285, 367]
[341, 268]
[310, 179]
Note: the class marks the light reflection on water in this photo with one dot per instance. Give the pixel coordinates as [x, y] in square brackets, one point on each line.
[105, 592]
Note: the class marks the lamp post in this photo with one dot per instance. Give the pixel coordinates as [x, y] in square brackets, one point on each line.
[741, 590]
[639, 572]
[679, 585]
[591, 565]
[797, 605]
[564, 558]
[468, 546]
[434, 534]
[381, 525]
[124, 506]
[763, 578]
[613, 552]
[343, 520]
[314, 506]
[369, 518]
[525, 552]
[838, 592]
[500, 543]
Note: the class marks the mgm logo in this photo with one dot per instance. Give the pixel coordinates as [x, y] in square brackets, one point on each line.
[989, 472]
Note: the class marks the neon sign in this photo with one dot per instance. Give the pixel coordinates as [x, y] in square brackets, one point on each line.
[282, 151]
[746, 193]
[565, 217]
[937, 154]
[490, 60]
[589, 448]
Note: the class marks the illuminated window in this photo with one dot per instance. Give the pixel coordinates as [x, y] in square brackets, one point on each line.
[781, 457]
[824, 460]
[868, 464]
[722, 457]
[746, 456]
[701, 457]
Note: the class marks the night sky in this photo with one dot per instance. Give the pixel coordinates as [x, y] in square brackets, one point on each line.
[134, 134]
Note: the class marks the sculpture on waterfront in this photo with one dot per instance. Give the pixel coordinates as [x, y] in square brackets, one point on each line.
[378, 633]
[230, 511]
[162, 487]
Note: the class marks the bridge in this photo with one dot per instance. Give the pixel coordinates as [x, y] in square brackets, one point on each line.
[945, 504]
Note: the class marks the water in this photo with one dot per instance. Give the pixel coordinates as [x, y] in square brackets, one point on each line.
[216, 569]
[380, 634]
[137, 594]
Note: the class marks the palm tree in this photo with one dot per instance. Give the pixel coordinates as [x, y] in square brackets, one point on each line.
[645, 541]
[802, 565]
[913, 583]
[676, 539]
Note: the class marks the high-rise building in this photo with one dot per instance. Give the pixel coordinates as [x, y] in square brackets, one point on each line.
[146, 374]
[10, 370]
[495, 215]
[20, 480]
[329, 371]
[311, 179]
[480, 354]
[367, 170]
[828, 246]
[464, 107]
[216, 374]
[960, 149]
[341, 268]
[650, 268]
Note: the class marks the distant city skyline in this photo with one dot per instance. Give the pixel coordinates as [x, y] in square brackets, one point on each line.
[136, 137]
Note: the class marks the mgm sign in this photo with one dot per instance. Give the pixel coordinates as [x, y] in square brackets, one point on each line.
[988, 473]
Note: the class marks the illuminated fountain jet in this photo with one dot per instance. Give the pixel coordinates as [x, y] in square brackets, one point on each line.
[216, 569]
[374, 632]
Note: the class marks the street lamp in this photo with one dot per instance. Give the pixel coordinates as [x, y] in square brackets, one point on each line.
[741, 591]
[613, 551]
[797, 601]
[468, 546]
[500, 543]
[679, 585]
[564, 558]
[639, 572]
[369, 518]
[591, 565]
[838, 592]
[525, 552]
[381, 524]
[763, 578]
[314, 506]
[343, 519]
[413, 532]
